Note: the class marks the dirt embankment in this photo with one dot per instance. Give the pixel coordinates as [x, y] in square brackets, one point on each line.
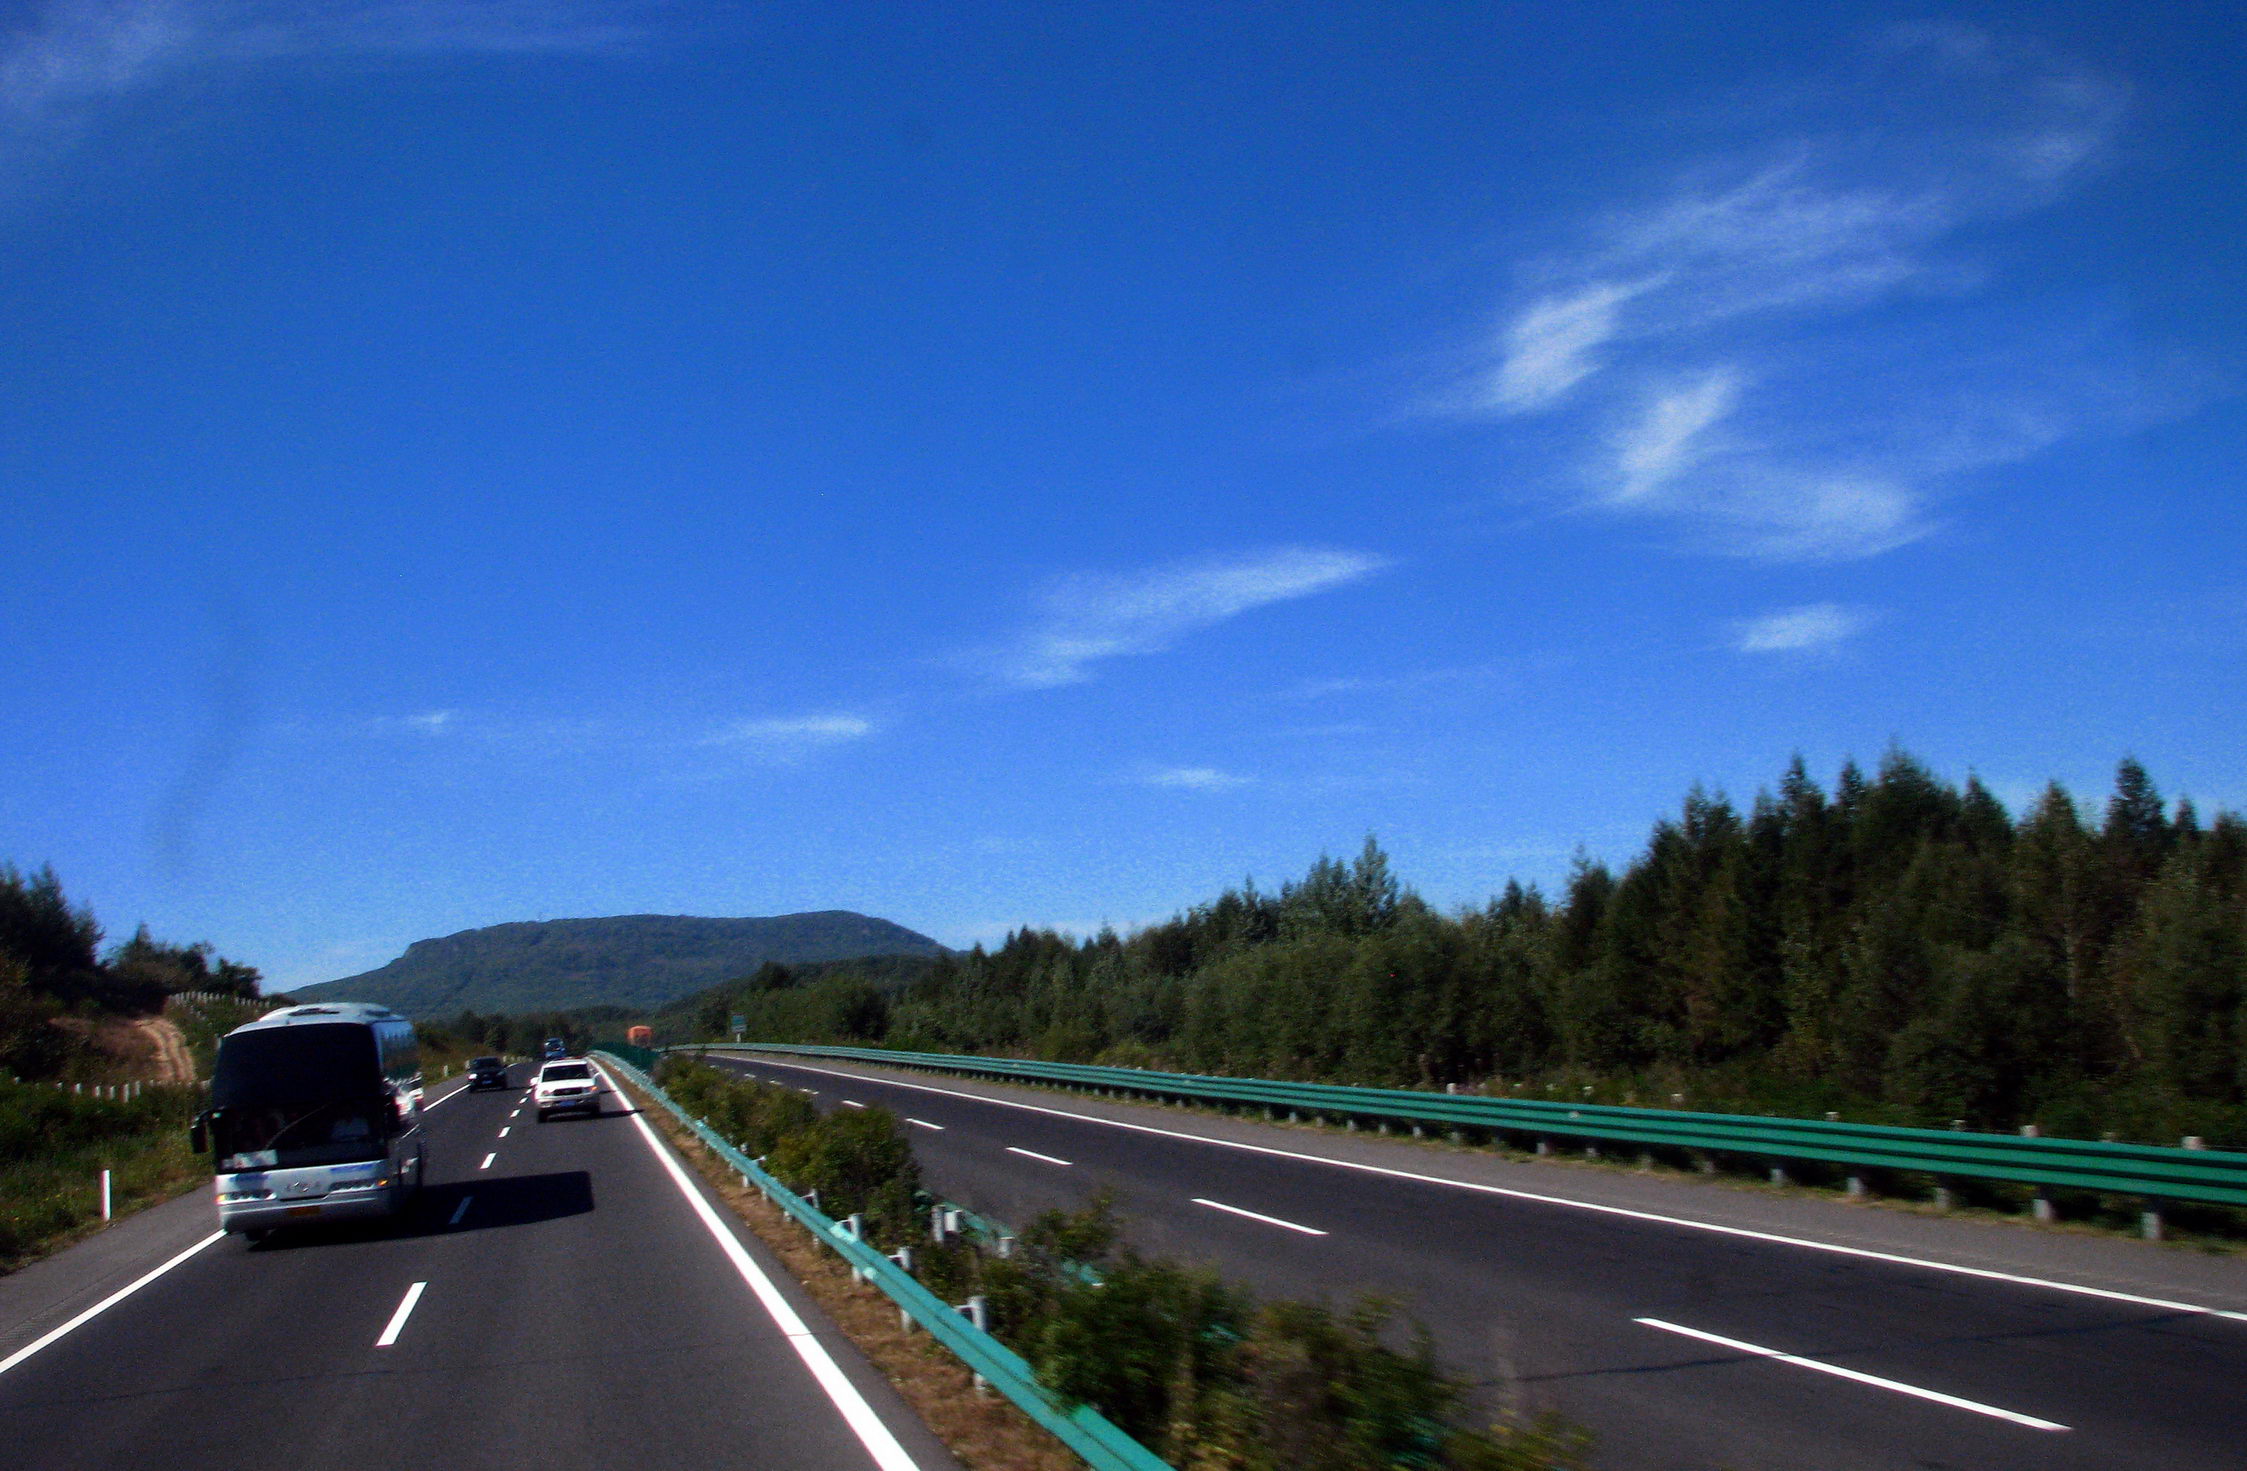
[166, 1049]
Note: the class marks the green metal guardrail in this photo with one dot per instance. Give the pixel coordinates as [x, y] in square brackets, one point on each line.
[2150, 1172]
[1084, 1430]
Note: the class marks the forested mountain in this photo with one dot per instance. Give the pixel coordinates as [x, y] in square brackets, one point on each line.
[1896, 947]
[638, 961]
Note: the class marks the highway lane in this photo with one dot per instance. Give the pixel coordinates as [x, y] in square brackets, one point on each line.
[574, 1310]
[1644, 1330]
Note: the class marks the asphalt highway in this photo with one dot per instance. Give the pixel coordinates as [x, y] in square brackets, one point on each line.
[1683, 1347]
[557, 1300]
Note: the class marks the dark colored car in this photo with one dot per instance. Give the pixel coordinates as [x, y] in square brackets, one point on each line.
[556, 1047]
[487, 1072]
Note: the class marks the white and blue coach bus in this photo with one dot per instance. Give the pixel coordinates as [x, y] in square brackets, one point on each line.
[315, 1116]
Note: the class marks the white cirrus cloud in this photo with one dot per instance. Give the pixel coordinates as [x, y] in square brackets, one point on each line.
[789, 738]
[1670, 432]
[1089, 617]
[1553, 345]
[1194, 779]
[67, 61]
[1716, 352]
[1811, 628]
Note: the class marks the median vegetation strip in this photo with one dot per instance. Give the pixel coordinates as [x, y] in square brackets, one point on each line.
[985, 1433]
[1196, 1369]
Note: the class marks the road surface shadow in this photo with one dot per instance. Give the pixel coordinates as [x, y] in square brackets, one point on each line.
[489, 1204]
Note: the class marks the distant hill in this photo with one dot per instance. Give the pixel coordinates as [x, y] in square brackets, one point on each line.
[632, 960]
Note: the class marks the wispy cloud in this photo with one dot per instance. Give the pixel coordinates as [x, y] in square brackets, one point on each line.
[69, 60]
[1194, 779]
[1408, 680]
[1553, 344]
[1711, 345]
[790, 738]
[432, 722]
[1087, 618]
[1810, 628]
[1669, 433]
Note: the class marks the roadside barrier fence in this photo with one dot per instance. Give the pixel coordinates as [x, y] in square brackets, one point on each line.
[2153, 1174]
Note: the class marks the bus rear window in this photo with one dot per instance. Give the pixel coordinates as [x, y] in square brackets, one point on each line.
[296, 1065]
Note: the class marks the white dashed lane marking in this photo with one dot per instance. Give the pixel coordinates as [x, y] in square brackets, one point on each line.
[1234, 1210]
[1976, 1406]
[398, 1318]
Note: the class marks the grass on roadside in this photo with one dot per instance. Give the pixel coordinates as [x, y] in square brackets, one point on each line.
[54, 1144]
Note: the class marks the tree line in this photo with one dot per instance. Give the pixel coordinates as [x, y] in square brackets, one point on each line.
[1896, 947]
[56, 985]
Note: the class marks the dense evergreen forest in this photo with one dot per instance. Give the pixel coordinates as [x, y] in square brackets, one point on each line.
[1897, 948]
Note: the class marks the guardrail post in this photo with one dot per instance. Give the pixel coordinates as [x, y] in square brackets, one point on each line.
[1945, 1197]
[1006, 1245]
[1779, 1175]
[2040, 1203]
[2150, 1224]
[1544, 1146]
[978, 1313]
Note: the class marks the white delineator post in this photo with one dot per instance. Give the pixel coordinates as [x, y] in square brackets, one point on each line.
[105, 1195]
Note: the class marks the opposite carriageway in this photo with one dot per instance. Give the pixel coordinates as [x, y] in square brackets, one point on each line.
[1750, 1336]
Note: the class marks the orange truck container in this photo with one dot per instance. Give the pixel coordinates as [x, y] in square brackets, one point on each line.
[640, 1036]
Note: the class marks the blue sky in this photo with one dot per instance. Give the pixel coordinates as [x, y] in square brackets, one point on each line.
[1000, 464]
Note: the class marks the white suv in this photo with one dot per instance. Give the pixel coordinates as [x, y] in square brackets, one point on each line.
[565, 1085]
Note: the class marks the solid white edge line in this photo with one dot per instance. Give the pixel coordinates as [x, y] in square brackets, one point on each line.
[104, 1305]
[487, 1164]
[1744, 1233]
[398, 1318]
[876, 1437]
[1033, 1154]
[1234, 1210]
[924, 1123]
[2031, 1421]
[460, 1210]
